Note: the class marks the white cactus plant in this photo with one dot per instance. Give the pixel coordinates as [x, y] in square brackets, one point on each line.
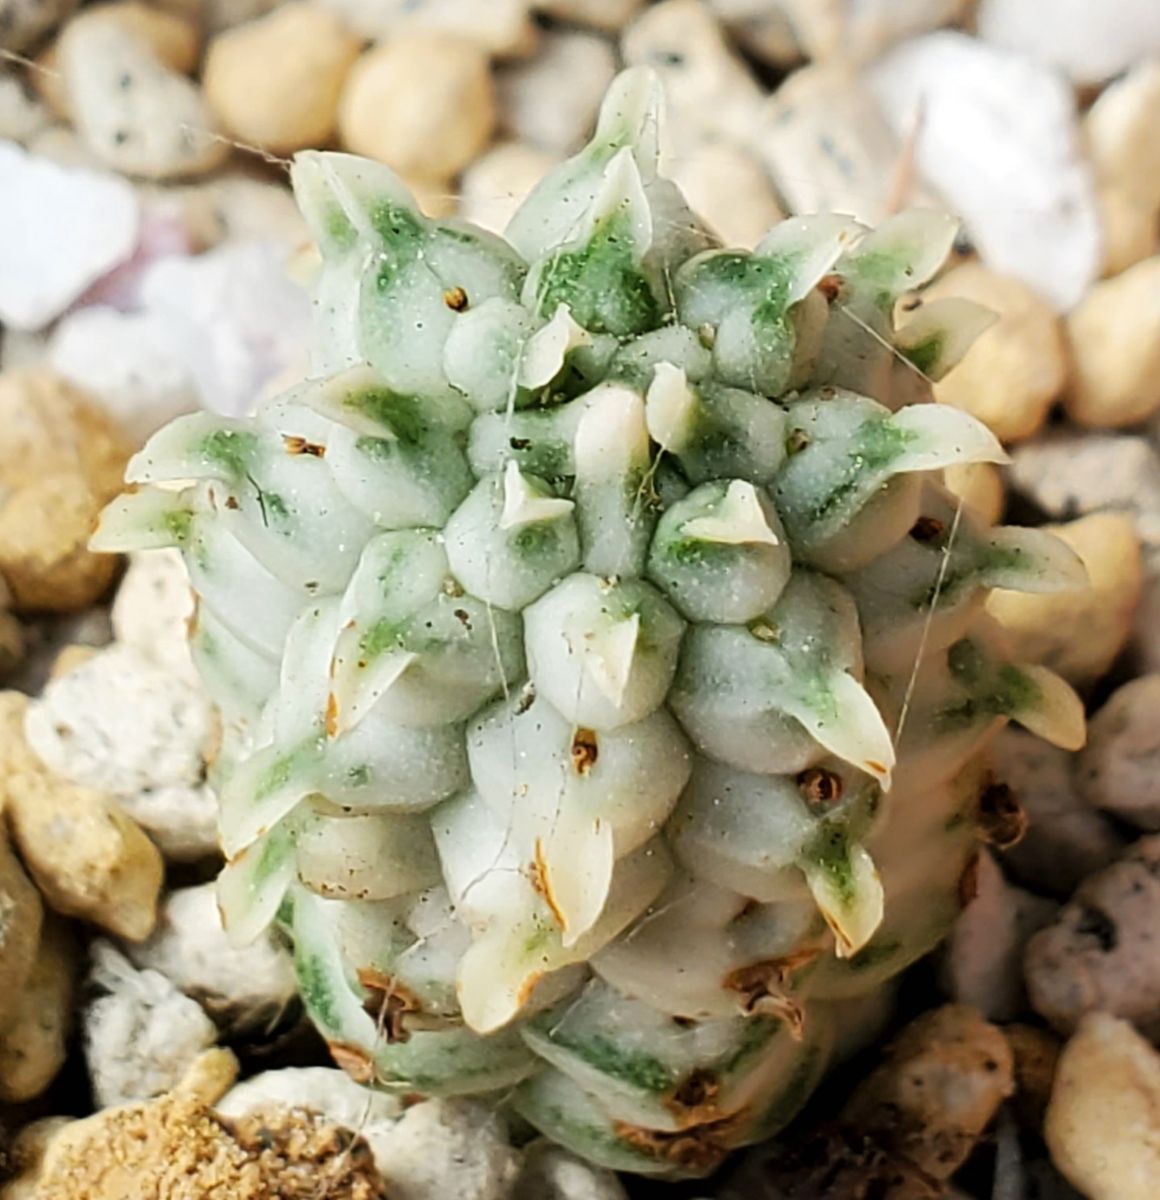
[602, 662]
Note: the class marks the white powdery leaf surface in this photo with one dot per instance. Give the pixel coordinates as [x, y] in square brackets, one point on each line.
[61, 229]
[1090, 41]
[998, 138]
[242, 320]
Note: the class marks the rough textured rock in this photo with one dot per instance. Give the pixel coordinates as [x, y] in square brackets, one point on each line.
[152, 608]
[1114, 334]
[727, 188]
[21, 922]
[177, 1147]
[1079, 633]
[1070, 473]
[275, 82]
[1119, 770]
[550, 1173]
[422, 104]
[448, 1148]
[241, 987]
[1023, 188]
[1015, 371]
[1100, 952]
[23, 22]
[1066, 841]
[126, 724]
[601, 14]
[1103, 1123]
[499, 26]
[61, 228]
[141, 1034]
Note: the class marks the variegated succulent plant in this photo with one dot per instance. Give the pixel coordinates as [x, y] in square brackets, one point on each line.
[602, 663]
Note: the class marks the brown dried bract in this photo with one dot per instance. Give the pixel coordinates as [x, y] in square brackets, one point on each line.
[354, 1060]
[761, 988]
[585, 751]
[927, 529]
[299, 445]
[820, 789]
[694, 1100]
[1002, 822]
[699, 1148]
[389, 1002]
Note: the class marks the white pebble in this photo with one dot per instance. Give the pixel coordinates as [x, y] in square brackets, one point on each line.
[241, 317]
[551, 1173]
[1066, 840]
[445, 1148]
[241, 987]
[123, 723]
[327, 1091]
[134, 363]
[61, 229]
[997, 136]
[1119, 769]
[142, 1034]
[1071, 473]
[132, 110]
[551, 101]
[495, 185]
[982, 962]
[828, 148]
[1090, 42]
[153, 606]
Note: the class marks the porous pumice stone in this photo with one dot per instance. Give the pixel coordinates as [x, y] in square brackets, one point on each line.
[602, 666]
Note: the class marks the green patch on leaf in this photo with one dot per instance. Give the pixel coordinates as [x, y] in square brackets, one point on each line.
[230, 449]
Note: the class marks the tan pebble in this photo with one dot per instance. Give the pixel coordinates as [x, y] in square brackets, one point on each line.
[1115, 345]
[943, 1079]
[981, 488]
[61, 461]
[1120, 130]
[726, 187]
[1017, 368]
[495, 185]
[1130, 229]
[275, 82]
[172, 38]
[1099, 953]
[12, 643]
[44, 556]
[48, 425]
[1079, 633]
[1103, 1123]
[88, 858]
[21, 920]
[424, 105]
[33, 1041]
[434, 197]
[1036, 1054]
